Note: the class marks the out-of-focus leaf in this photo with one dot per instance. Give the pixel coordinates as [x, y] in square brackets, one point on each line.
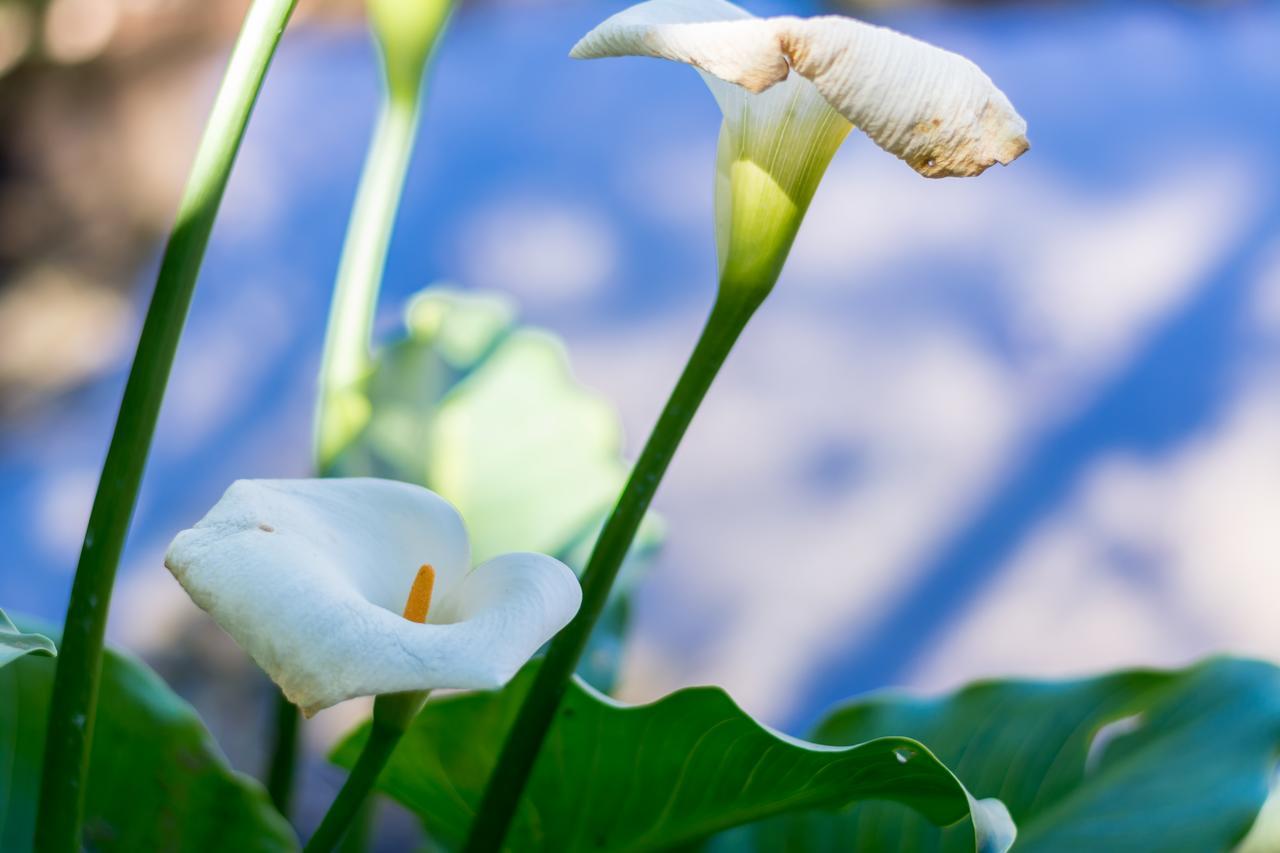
[526, 455]
[157, 781]
[447, 334]
[1139, 760]
[652, 777]
[489, 415]
[15, 643]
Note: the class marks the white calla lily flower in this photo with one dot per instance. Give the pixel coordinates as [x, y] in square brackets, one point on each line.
[932, 108]
[352, 587]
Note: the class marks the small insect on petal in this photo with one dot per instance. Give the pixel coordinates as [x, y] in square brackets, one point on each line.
[415, 609]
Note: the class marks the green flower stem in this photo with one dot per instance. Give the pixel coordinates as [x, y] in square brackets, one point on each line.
[392, 715]
[377, 750]
[73, 704]
[734, 307]
[343, 408]
[407, 32]
[284, 754]
[359, 834]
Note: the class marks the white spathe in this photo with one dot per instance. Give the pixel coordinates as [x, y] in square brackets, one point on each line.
[932, 108]
[310, 577]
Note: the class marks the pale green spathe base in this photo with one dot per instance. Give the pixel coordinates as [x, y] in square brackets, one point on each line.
[774, 149]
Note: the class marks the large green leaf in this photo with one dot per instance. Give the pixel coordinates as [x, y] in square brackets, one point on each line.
[15, 643]
[157, 781]
[652, 777]
[527, 456]
[1140, 760]
[489, 415]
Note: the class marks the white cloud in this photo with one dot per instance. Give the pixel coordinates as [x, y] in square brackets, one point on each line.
[1102, 274]
[1157, 561]
[547, 252]
[61, 510]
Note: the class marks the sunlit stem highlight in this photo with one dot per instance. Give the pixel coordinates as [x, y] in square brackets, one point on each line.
[342, 408]
[73, 705]
[406, 32]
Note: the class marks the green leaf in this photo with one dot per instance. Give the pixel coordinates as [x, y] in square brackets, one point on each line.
[448, 333]
[489, 415]
[157, 781]
[528, 457]
[613, 777]
[1182, 763]
[15, 643]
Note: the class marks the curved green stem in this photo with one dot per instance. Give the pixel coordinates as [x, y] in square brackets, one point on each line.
[377, 750]
[392, 715]
[732, 310]
[342, 408]
[284, 754]
[74, 700]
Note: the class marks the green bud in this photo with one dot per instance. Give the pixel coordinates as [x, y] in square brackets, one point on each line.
[407, 32]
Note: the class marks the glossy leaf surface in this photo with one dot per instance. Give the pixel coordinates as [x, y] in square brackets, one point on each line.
[652, 777]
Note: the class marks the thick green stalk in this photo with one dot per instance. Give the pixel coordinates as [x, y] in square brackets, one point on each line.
[73, 704]
[360, 833]
[382, 742]
[284, 754]
[392, 715]
[732, 310]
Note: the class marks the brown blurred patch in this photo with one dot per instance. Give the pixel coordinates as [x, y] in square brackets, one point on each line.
[101, 105]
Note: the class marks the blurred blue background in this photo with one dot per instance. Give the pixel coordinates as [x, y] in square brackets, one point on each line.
[1027, 423]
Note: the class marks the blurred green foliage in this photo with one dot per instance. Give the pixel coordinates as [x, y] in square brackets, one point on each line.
[157, 780]
[488, 414]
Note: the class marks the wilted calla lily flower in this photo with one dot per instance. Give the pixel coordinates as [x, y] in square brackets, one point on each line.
[353, 587]
[932, 108]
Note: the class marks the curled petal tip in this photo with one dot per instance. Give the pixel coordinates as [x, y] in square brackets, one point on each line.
[932, 108]
[959, 149]
[1015, 149]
